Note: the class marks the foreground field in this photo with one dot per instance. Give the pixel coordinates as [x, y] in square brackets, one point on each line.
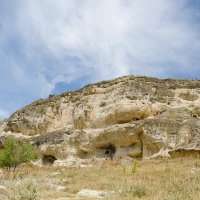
[166, 179]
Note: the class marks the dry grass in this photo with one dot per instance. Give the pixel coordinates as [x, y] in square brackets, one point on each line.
[166, 179]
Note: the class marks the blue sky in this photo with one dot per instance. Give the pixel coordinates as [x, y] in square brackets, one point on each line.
[50, 46]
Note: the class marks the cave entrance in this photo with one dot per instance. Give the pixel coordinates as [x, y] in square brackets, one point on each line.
[48, 160]
[110, 152]
[107, 152]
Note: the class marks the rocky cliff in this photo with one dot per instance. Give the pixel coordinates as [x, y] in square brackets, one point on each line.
[122, 119]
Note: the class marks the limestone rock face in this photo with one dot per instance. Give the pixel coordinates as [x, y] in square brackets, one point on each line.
[128, 117]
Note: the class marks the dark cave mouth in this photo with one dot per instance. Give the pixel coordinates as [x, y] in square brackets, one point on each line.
[48, 160]
[106, 151]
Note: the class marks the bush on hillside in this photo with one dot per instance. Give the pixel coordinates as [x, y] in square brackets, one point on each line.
[14, 152]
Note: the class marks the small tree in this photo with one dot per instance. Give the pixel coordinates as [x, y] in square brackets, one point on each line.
[14, 152]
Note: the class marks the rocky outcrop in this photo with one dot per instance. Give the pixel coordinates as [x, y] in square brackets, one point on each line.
[128, 117]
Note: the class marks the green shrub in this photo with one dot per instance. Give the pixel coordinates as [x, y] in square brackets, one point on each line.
[51, 95]
[14, 152]
[134, 191]
[139, 191]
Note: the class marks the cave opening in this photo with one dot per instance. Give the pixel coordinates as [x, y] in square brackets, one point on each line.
[48, 160]
[107, 152]
[110, 151]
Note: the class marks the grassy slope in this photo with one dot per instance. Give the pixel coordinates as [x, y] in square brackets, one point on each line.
[166, 179]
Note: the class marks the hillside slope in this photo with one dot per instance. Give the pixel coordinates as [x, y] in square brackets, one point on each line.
[125, 118]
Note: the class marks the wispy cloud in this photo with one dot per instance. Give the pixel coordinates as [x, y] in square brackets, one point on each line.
[44, 42]
[3, 114]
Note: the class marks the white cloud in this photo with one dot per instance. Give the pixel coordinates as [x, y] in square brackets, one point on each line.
[3, 114]
[110, 37]
[68, 39]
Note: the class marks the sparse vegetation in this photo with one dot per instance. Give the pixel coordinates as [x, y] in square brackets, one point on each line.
[134, 191]
[25, 191]
[51, 95]
[134, 167]
[166, 179]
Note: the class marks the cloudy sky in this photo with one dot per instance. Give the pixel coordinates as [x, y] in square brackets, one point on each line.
[51, 46]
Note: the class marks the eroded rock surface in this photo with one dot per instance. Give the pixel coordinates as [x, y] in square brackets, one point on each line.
[128, 117]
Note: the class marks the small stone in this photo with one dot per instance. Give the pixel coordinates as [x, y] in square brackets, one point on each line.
[3, 190]
[57, 187]
[92, 193]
